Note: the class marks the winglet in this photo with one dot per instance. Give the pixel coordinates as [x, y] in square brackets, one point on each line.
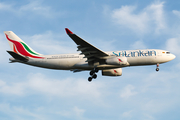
[68, 31]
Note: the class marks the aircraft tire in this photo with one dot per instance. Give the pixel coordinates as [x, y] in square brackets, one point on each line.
[157, 69]
[90, 79]
[91, 72]
[94, 76]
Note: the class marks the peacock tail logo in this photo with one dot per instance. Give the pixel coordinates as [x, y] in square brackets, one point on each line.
[115, 71]
[23, 49]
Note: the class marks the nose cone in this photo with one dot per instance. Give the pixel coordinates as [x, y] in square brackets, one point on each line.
[169, 57]
[173, 56]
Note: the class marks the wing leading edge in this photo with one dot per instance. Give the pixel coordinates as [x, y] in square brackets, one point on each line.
[92, 53]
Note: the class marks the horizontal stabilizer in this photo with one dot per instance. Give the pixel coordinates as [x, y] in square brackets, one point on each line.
[17, 56]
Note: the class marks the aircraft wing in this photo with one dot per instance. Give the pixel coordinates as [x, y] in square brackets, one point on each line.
[92, 53]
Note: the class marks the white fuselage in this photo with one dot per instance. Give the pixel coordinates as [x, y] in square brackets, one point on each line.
[76, 61]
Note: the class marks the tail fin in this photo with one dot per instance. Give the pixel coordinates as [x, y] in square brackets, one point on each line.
[20, 47]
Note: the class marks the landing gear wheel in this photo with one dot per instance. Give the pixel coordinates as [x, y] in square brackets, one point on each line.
[94, 76]
[157, 69]
[91, 72]
[90, 79]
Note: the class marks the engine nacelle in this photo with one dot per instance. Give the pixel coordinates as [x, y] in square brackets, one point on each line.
[112, 72]
[117, 61]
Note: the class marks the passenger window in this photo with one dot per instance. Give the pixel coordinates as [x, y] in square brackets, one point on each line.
[167, 52]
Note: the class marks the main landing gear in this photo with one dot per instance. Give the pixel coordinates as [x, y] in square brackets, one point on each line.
[157, 68]
[93, 74]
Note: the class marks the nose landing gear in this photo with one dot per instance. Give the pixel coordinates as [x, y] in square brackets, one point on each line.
[157, 68]
[93, 74]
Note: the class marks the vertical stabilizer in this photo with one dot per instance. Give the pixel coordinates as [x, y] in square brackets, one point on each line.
[20, 47]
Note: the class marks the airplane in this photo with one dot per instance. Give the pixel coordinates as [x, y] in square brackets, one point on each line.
[90, 59]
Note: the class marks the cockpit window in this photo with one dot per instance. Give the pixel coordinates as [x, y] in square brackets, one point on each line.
[167, 52]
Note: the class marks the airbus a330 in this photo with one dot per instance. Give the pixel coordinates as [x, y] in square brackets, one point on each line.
[90, 58]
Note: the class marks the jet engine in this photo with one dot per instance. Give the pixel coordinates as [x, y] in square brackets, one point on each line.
[117, 61]
[112, 72]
